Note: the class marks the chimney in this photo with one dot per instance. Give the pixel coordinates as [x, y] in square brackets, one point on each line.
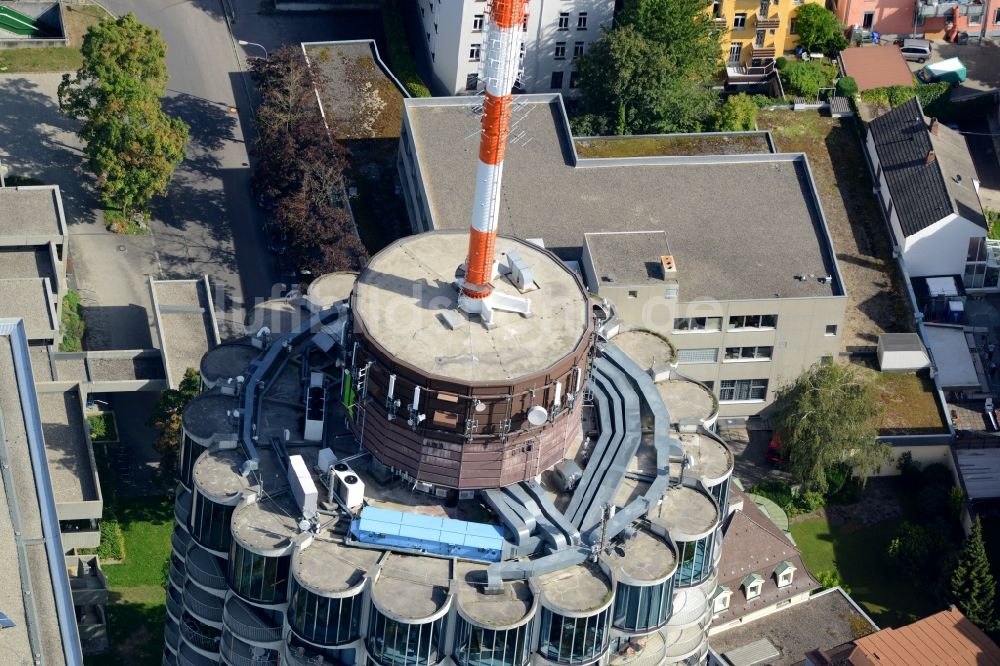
[931, 157]
[933, 126]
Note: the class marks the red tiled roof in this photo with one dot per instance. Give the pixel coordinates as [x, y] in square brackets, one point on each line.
[947, 638]
[876, 66]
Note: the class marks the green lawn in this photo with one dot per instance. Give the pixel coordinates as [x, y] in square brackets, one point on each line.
[859, 556]
[138, 585]
[135, 627]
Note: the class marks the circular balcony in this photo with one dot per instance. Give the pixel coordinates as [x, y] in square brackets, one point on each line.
[175, 603]
[204, 606]
[207, 571]
[240, 619]
[237, 653]
[189, 656]
[182, 508]
[171, 634]
[176, 574]
[169, 659]
[180, 540]
[203, 639]
[643, 651]
[684, 643]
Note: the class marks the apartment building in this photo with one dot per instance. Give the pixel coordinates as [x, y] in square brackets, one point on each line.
[926, 18]
[555, 33]
[757, 31]
[682, 246]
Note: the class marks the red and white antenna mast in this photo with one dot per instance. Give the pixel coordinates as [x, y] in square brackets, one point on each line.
[503, 47]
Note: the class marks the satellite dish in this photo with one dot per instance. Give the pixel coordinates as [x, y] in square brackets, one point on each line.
[537, 415]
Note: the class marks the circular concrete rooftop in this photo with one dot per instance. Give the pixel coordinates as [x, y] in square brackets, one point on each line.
[207, 415]
[491, 610]
[327, 567]
[687, 513]
[581, 588]
[645, 558]
[331, 288]
[711, 460]
[411, 587]
[227, 360]
[686, 400]
[646, 349]
[267, 525]
[403, 295]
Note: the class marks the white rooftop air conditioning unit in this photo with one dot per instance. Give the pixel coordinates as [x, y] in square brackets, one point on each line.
[349, 486]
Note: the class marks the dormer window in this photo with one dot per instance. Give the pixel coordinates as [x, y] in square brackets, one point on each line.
[783, 573]
[721, 601]
[752, 585]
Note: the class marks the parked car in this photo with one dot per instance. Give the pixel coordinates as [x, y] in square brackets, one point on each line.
[916, 50]
[951, 71]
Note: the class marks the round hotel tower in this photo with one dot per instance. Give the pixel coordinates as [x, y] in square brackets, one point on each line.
[454, 404]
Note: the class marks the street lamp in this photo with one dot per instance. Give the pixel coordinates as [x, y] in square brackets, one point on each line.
[244, 42]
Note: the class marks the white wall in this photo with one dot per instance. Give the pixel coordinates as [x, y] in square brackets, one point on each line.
[941, 248]
[450, 43]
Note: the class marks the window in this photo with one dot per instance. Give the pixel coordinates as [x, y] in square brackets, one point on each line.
[633, 294]
[722, 596]
[739, 21]
[577, 49]
[474, 52]
[783, 573]
[749, 353]
[560, 53]
[867, 20]
[477, 23]
[831, 329]
[793, 25]
[581, 21]
[524, 24]
[752, 321]
[735, 49]
[556, 83]
[472, 81]
[736, 390]
[684, 324]
[564, 20]
[574, 79]
[996, 17]
[706, 355]
[753, 590]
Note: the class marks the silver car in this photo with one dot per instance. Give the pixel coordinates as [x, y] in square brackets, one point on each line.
[918, 50]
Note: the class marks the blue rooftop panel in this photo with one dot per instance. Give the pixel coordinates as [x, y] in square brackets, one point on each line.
[429, 534]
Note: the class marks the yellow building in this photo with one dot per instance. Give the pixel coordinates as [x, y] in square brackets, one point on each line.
[758, 31]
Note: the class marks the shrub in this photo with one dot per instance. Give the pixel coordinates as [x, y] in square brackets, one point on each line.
[738, 114]
[993, 222]
[934, 98]
[832, 579]
[910, 549]
[102, 427]
[847, 87]
[763, 101]
[73, 326]
[804, 78]
[112, 541]
[780, 62]
[791, 503]
[400, 59]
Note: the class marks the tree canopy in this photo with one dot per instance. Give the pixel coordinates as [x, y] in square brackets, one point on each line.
[650, 73]
[738, 114]
[132, 146]
[819, 30]
[167, 418]
[972, 586]
[826, 419]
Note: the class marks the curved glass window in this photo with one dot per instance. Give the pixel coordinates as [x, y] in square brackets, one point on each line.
[323, 620]
[479, 646]
[258, 577]
[643, 608]
[210, 523]
[695, 559]
[190, 450]
[721, 494]
[573, 640]
[395, 643]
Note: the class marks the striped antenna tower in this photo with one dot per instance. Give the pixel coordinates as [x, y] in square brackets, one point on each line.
[503, 45]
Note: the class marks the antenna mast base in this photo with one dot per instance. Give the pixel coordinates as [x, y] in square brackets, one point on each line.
[485, 307]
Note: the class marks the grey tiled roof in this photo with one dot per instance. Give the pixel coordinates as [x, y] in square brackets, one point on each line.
[919, 188]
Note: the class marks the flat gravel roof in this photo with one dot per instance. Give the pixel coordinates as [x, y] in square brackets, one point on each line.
[722, 220]
[29, 211]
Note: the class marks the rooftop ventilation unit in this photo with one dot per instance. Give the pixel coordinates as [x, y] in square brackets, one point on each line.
[302, 486]
[667, 261]
[315, 408]
[826, 279]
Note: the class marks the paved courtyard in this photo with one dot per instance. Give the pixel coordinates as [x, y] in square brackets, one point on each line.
[982, 61]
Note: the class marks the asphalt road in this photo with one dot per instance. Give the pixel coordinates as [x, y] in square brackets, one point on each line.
[208, 222]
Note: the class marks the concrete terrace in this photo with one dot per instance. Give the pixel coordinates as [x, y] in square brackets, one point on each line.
[721, 214]
[185, 322]
[31, 215]
[71, 465]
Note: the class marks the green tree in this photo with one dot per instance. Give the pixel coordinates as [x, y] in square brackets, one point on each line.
[804, 78]
[825, 418]
[132, 146]
[847, 86]
[819, 30]
[972, 586]
[167, 418]
[738, 114]
[689, 34]
[632, 82]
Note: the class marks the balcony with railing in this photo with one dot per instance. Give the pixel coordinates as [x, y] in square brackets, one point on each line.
[935, 8]
[237, 653]
[180, 540]
[169, 659]
[206, 570]
[242, 621]
[767, 21]
[176, 574]
[205, 606]
[175, 602]
[171, 634]
[682, 644]
[301, 656]
[188, 656]
[651, 653]
[199, 637]
[182, 507]
[736, 72]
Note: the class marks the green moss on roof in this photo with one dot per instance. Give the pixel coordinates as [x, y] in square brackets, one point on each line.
[672, 145]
